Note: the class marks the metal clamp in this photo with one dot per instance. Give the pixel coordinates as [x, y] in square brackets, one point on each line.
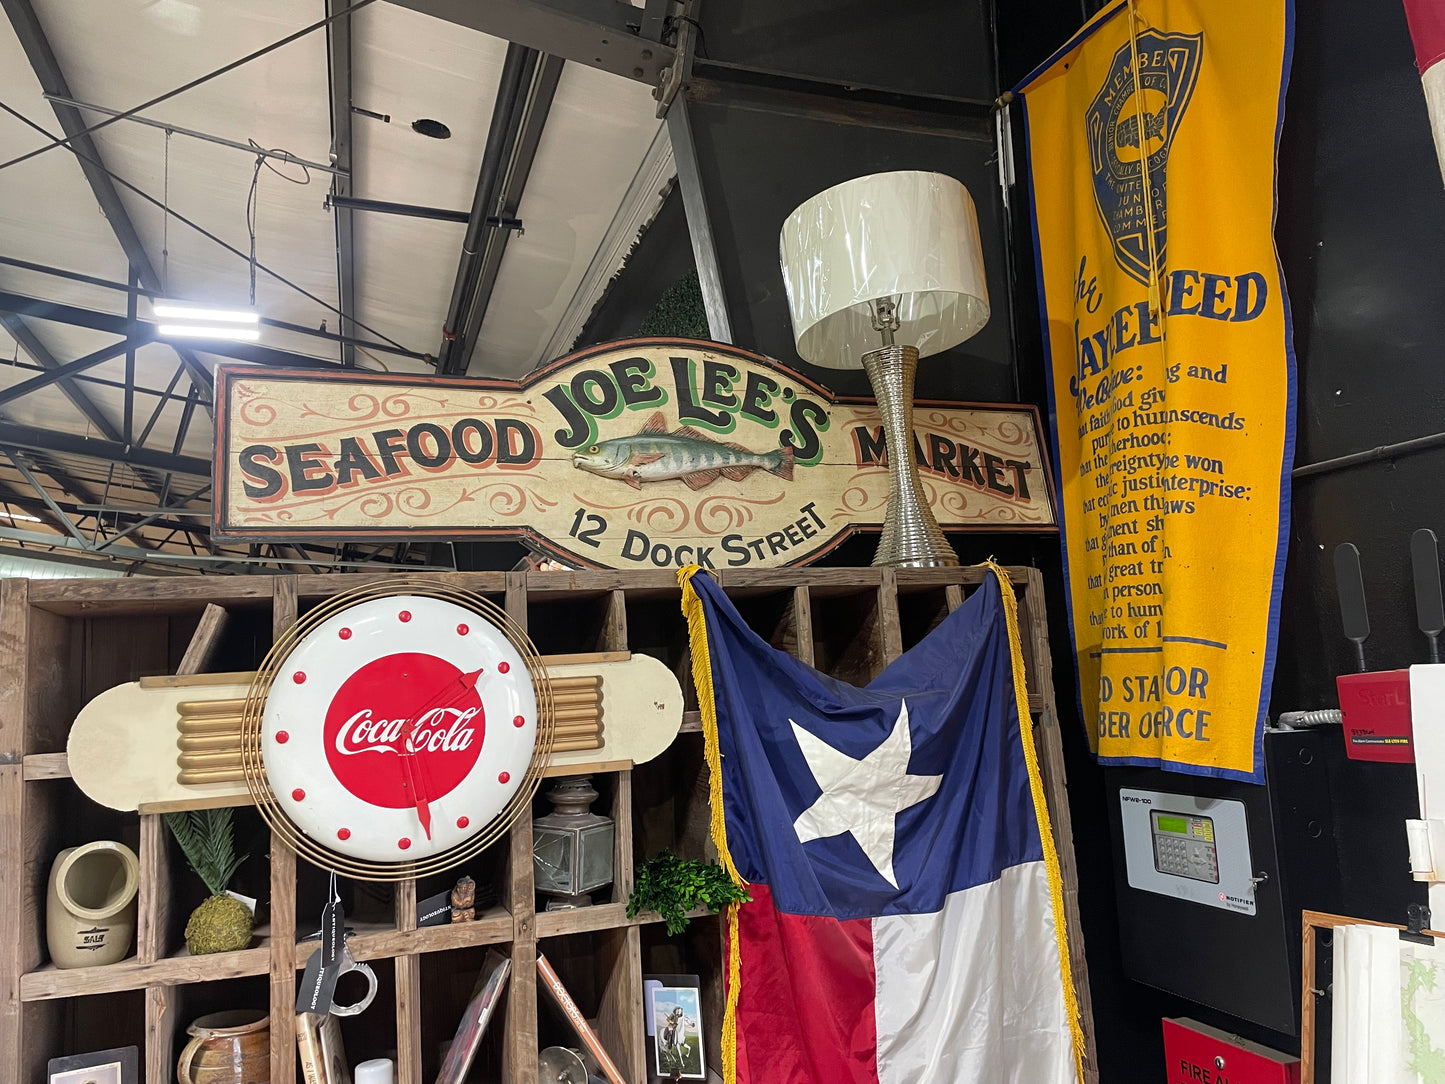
[348, 963]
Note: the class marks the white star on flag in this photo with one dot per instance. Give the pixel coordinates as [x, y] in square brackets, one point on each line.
[863, 796]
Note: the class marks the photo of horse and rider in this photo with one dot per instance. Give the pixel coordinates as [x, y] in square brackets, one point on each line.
[676, 1016]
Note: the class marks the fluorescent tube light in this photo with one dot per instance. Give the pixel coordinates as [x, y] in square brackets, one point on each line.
[185, 310]
[212, 331]
[20, 516]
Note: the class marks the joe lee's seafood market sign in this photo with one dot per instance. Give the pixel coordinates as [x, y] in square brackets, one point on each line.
[639, 454]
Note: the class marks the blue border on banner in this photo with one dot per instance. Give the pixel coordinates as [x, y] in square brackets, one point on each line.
[1053, 420]
[1291, 403]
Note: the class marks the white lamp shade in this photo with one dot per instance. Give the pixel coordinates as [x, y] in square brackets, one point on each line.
[910, 236]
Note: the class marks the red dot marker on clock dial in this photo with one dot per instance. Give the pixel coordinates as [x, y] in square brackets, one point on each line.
[343, 833]
[405, 615]
[505, 777]
[345, 634]
[403, 843]
[298, 795]
[462, 822]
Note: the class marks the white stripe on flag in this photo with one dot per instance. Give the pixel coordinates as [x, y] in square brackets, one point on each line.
[974, 993]
[1433, 80]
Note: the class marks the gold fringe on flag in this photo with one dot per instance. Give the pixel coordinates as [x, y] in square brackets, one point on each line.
[707, 707]
[1041, 810]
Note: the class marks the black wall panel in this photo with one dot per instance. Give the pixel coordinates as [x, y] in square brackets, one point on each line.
[763, 153]
[929, 47]
[1362, 236]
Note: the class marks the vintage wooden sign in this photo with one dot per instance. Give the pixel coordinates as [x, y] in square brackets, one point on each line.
[646, 453]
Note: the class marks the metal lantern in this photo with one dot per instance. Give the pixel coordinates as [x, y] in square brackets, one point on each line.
[572, 847]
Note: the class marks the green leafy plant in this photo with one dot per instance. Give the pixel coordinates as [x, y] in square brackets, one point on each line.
[222, 923]
[672, 886]
[679, 311]
[206, 837]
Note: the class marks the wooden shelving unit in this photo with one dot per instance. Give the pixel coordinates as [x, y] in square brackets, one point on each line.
[63, 642]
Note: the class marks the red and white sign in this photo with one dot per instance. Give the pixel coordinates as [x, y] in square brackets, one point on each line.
[1195, 1053]
[398, 728]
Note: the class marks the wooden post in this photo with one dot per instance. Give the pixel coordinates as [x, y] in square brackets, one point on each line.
[283, 895]
[14, 655]
[519, 1049]
[408, 992]
[153, 919]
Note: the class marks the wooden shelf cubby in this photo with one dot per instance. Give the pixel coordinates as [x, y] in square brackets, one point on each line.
[65, 641]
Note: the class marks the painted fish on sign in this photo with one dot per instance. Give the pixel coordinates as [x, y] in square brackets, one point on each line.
[655, 455]
[651, 452]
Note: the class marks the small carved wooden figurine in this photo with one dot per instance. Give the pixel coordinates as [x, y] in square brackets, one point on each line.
[464, 899]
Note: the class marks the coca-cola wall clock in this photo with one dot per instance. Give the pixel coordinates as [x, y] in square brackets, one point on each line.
[397, 729]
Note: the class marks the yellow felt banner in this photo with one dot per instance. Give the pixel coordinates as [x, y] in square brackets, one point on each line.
[1152, 140]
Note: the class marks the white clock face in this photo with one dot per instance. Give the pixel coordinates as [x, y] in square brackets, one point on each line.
[398, 728]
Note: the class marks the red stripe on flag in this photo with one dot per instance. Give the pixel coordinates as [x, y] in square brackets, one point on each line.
[805, 1015]
[1427, 30]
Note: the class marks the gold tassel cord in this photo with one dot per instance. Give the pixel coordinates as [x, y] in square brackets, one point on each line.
[707, 707]
[1041, 811]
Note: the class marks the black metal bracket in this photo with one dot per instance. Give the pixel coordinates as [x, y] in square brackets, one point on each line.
[1417, 921]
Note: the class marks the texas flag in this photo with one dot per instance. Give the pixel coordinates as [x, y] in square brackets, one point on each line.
[904, 926]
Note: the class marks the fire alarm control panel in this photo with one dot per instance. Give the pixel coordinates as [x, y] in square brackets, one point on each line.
[1188, 847]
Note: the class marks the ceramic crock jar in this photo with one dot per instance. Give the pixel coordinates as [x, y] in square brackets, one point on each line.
[231, 1047]
[90, 904]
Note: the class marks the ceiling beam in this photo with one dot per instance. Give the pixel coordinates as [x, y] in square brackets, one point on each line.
[140, 333]
[35, 506]
[338, 47]
[598, 33]
[507, 109]
[20, 331]
[52, 81]
[69, 369]
[509, 199]
[16, 435]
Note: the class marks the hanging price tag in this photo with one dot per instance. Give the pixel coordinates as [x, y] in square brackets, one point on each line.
[318, 982]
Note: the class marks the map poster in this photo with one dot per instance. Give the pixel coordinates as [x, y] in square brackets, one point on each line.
[652, 453]
[1152, 135]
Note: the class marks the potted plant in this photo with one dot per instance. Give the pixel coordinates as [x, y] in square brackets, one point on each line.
[221, 923]
[672, 886]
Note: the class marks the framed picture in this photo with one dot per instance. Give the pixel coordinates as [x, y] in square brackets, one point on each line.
[485, 995]
[116, 1066]
[677, 1040]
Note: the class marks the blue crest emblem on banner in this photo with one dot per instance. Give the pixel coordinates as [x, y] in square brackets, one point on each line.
[1125, 129]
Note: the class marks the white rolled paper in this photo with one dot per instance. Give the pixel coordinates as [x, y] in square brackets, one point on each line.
[375, 1071]
[910, 236]
[1422, 863]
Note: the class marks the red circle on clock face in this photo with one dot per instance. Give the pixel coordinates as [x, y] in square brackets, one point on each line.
[367, 716]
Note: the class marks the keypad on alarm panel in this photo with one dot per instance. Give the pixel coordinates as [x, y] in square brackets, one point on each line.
[1186, 858]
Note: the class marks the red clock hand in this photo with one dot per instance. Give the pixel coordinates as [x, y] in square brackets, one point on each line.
[411, 766]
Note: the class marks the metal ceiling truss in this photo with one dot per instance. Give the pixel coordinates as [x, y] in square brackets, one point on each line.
[52, 81]
[507, 200]
[141, 333]
[310, 332]
[599, 33]
[338, 48]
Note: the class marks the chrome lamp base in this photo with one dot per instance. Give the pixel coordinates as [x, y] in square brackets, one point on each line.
[911, 536]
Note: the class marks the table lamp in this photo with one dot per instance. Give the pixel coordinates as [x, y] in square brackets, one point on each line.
[880, 271]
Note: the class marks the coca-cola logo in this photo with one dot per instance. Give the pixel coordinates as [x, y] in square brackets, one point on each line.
[368, 721]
